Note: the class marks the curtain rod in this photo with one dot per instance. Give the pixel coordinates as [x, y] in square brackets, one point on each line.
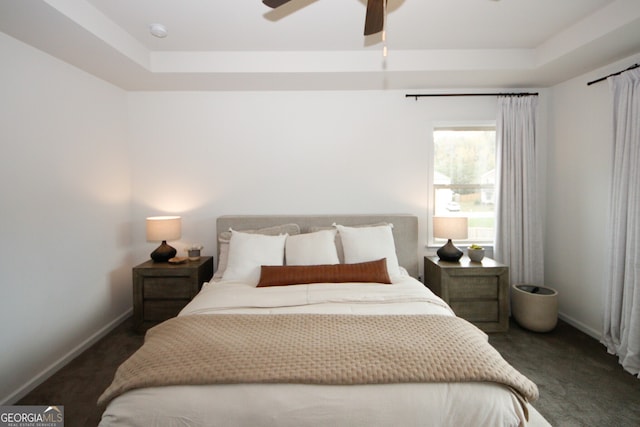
[613, 74]
[422, 95]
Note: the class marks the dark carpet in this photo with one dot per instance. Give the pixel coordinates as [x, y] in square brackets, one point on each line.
[580, 384]
[78, 385]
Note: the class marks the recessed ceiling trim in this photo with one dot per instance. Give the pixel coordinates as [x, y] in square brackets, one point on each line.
[598, 25]
[95, 22]
[340, 61]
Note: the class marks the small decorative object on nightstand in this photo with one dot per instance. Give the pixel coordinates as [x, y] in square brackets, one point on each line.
[449, 227]
[193, 252]
[475, 253]
[161, 290]
[476, 291]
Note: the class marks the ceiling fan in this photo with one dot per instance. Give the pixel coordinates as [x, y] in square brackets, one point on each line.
[374, 20]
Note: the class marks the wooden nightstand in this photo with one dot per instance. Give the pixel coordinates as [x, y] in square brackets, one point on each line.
[161, 290]
[476, 291]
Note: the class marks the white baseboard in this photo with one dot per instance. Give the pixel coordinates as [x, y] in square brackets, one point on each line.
[60, 363]
[581, 326]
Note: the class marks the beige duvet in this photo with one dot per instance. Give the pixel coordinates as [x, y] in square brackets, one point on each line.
[315, 349]
[456, 402]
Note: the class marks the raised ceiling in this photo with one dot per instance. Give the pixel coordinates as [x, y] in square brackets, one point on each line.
[318, 44]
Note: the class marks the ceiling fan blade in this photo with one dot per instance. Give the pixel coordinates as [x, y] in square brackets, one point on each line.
[374, 21]
[275, 3]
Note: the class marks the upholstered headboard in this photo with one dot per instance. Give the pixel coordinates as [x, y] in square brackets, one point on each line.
[405, 229]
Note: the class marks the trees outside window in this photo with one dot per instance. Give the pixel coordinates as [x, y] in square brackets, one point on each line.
[465, 177]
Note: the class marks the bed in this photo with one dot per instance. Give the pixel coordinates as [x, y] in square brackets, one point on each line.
[313, 321]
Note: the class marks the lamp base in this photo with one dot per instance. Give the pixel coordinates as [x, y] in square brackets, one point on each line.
[449, 252]
[163, 253]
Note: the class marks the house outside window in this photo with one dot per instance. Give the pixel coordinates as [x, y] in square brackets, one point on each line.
[464, 178]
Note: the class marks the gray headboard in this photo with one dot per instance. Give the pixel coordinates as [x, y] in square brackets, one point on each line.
[405, 229]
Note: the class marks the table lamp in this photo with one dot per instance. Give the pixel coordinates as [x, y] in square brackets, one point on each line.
[161, 229]
[449, 227]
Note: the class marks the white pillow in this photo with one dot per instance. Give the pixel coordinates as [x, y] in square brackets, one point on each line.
[225, 236]
[247, 252]
[317, 248]
[362, 244]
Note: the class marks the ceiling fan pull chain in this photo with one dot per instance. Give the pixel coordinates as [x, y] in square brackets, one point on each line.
[384, 28]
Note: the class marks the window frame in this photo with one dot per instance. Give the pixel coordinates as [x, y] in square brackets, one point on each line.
[481, 125]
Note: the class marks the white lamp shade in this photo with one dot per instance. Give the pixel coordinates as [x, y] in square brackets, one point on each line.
[161, 228]
[450, 227]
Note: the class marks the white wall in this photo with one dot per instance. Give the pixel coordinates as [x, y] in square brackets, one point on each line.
[202, 155]
[64, 213]
[578, 185]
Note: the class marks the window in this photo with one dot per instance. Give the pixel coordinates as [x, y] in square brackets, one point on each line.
[465, 177]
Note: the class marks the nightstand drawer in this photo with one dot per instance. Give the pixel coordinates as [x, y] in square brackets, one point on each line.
[167, 287]
[474, 287]
[477, 311]
[159, 310]
[161, 290]
[476, 291]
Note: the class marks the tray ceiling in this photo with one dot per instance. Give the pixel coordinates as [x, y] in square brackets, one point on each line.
[318, 44]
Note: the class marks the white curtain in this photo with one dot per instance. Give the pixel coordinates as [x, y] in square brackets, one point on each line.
[621, 332]
[518, 229]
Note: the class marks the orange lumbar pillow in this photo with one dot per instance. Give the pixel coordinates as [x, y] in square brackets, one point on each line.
[371, 272]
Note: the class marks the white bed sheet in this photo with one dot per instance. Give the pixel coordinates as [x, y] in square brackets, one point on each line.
[300, 405]
[406, 296]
